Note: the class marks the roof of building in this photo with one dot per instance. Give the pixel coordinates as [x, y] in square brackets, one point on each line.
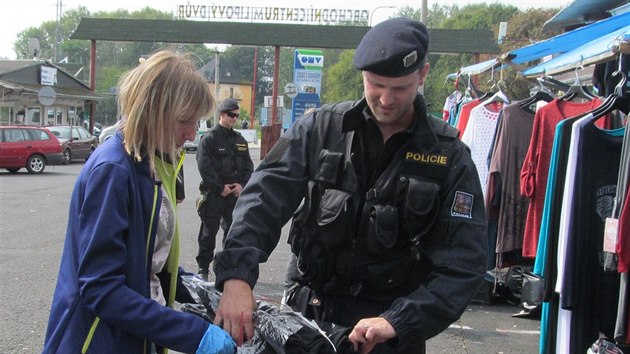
[267, 34]
[23, 76]
[228, 74]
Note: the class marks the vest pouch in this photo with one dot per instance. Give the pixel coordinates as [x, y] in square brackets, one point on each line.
[390, 274]
[422, 206]
[333, 217]
[382, 228]
[329, 166]
[314, 267]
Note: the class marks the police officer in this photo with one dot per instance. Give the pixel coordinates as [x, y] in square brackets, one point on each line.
[390, 232]
[225, 167]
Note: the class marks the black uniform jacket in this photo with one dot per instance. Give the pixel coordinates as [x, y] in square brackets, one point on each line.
[455, 245]
[223, 158]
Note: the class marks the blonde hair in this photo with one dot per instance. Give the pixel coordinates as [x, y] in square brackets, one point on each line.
[162, 90]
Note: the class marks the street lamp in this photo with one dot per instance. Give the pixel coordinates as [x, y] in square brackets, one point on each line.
[379, 7]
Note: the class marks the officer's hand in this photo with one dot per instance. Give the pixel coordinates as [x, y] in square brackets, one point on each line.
[216, 341]
[235, 310]
[227, 190]
[236, 189]
[369, 332]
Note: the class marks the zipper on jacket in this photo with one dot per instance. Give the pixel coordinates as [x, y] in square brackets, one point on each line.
[88, 339]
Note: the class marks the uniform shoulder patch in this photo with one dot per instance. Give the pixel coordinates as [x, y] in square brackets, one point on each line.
[462, 205]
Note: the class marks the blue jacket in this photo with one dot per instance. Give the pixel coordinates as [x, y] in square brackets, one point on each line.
[103, 305]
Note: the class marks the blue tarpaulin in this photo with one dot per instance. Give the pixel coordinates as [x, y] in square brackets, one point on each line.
[600, 49]
[479, 67]
[583, 46]
[570, 40]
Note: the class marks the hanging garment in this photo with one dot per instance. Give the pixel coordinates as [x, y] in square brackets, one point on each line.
[587, 290]
[450, 101]
[464, 115]
[512, 141]
[478, 136]
[536, 165]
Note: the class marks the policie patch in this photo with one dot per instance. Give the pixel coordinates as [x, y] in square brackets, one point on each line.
[462, 205]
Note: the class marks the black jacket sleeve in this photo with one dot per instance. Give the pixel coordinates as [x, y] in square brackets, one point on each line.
[269, 199]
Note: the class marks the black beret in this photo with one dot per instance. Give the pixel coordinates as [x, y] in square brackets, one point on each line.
[228, 104]
[393, 48]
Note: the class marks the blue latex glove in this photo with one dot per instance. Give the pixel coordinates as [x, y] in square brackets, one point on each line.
[216, 341]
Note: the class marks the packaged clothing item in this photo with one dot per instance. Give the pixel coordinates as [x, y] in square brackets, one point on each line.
[277, 328]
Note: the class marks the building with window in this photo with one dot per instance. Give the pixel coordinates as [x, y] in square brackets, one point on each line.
[34, 92]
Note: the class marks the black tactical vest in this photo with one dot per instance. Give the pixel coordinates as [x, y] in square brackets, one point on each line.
[350, 242]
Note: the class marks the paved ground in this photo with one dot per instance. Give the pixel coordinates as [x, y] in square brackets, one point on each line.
[34, 211]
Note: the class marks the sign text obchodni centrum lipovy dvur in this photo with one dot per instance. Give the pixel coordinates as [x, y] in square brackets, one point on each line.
[274, 14]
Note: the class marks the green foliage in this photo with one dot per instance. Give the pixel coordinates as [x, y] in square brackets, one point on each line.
[343, 81]
[340, 80]
[523, 28]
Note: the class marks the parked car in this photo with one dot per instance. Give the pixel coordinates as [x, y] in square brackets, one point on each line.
[78, 142]
[192, 145]
[30, 147]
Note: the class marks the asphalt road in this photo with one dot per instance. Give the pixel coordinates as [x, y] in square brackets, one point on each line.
[33, 214]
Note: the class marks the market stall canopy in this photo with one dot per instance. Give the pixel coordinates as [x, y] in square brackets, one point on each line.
[599, 50]
[581, 12]
[570, 40]
[479, 68]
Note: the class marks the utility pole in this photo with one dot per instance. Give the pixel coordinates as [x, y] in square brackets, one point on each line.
[425, 10]
[217, 74]
[57, 53]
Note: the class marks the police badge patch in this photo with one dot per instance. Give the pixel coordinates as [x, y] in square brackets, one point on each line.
[462, 205]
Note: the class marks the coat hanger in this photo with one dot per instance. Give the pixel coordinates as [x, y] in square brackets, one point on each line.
[577, 90]
[499, 95]
[541, 93]
[615, 101]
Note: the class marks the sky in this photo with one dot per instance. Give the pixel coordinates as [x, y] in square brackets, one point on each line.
[19, 15]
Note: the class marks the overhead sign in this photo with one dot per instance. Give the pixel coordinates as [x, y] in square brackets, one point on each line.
[305, 15]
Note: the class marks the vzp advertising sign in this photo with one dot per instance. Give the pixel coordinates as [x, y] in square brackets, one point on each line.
[307, 76]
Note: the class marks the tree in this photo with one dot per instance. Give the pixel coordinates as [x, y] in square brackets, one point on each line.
[343, 81]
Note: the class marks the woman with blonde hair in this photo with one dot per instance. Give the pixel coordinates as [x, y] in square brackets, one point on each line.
[119, 269]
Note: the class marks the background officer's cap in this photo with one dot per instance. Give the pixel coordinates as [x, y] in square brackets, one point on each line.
[228, 104]
[393, 48]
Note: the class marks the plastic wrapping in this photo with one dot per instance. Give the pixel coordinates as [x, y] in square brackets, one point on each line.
[277, 328]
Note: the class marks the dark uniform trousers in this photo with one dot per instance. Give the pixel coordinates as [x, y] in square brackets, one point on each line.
[345, 311]
[215, 211]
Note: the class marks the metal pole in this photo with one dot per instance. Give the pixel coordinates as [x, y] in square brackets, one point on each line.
[217, 72]
[92, 83]
[252, 114]
[274, 91]
[425, 10]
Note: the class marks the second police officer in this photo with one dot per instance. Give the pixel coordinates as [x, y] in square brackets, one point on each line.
[225, 167]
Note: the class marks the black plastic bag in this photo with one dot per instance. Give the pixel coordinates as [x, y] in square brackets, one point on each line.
[277, 328]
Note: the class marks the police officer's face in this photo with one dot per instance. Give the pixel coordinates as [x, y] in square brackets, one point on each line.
[228, 119]
[391, 98]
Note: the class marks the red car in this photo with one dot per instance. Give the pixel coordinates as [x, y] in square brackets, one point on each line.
[30, 147]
